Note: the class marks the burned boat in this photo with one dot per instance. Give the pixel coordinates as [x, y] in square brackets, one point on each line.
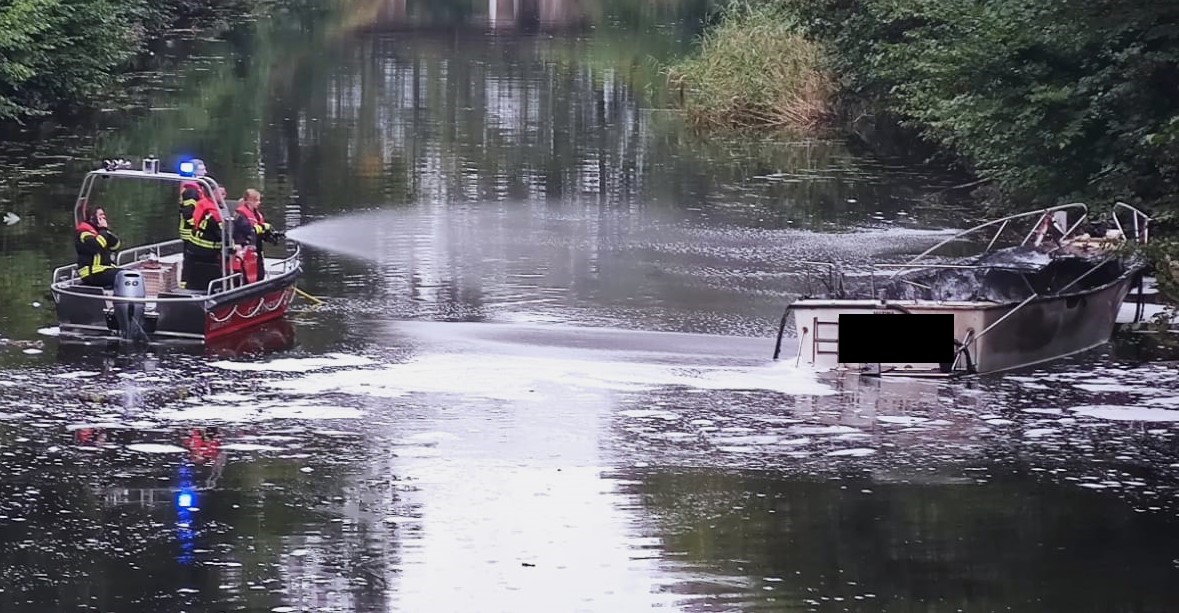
[1054, 293]
[147, 302]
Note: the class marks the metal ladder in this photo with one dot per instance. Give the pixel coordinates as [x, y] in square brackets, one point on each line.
[818, 337]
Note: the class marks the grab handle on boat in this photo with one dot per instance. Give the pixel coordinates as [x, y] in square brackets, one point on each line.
[798, 356]
[781, 331]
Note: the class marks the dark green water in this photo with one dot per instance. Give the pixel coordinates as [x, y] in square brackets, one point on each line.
[541, 378]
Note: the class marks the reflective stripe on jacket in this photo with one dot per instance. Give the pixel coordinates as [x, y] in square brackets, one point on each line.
[94, 248]
[206, 224]
[252, 221]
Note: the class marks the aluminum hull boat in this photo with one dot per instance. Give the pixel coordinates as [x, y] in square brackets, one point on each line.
[163, 310]
[1011, 308]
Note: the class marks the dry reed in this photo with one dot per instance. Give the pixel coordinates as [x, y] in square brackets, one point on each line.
[755, 71]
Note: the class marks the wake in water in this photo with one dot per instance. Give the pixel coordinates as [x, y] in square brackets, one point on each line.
[511, 362]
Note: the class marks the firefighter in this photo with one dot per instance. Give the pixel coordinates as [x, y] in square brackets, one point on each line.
[193, 195]
[190, 194]
[95, 244]
[250, 229]
[204, 250]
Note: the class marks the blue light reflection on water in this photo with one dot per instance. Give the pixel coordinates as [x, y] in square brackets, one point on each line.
[186, 501]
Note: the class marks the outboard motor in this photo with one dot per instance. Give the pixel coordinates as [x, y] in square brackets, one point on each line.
[129, 315]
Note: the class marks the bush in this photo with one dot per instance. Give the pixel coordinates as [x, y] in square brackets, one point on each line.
[754, 69]
[57, 54]
[1053, 100]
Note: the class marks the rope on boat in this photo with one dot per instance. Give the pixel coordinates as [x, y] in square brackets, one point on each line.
[261, 304]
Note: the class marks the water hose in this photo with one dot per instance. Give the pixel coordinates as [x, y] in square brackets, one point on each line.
[304, 294]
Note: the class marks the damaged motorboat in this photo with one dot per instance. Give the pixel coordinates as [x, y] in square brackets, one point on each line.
[1054, 293]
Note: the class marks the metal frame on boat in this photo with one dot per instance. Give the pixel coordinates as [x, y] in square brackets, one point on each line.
[1062, 298]
[147, 301]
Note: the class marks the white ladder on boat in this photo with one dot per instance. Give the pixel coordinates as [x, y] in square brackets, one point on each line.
[818, 338]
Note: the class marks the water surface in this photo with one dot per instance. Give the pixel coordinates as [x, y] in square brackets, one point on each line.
[541, 380]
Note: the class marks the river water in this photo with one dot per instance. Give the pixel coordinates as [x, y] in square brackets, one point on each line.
[540, 379]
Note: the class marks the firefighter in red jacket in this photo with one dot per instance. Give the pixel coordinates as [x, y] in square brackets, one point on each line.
[250, 229]
[95, 244]
[204, 250]
[202, 245]
[190, 193]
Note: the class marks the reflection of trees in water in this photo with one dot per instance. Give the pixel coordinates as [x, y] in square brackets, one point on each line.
[332, 120]
[1012, 544]
[93, 526]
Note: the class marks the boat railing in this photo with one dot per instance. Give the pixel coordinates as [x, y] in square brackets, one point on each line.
[63, 277]
[65, 273]
[871, 271]
[159, 250]
[233, 281]
[1004, 222]
[1140, 222]
[221, 285]
[291, 262]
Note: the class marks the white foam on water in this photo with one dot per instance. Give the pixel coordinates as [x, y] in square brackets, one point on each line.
[53, 331]
[824, 430]
[101, 424]
[1127, 413]
[32, 351]
[155, 448]
[261, 411]
[857, 452]
[228, 397]
[249, 447]
[743, 441]
[1045, 411]
[1107, 387]
[329, 360]
[77, 375]
[901, 419]
[1039, 432]
[649, 413]
[1171, 402]
[524, 378]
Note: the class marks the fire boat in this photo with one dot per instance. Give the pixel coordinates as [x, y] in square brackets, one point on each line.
[147, 302]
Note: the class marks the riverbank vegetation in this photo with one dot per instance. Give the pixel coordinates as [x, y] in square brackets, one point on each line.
[58, 55]
[1043, 101]
[754, 69]
[1058, 100]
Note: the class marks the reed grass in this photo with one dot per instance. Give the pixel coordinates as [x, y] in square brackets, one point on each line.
[754, 70]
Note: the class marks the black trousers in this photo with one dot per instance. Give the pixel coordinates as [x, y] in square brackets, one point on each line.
[200, 267]
[261, 261]
[104, 279]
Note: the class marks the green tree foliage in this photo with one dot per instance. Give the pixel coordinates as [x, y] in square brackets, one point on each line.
[1050, 99]
[58, 54]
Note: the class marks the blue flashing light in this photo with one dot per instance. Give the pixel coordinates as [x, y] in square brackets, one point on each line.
[184, 500]
[187, 168]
